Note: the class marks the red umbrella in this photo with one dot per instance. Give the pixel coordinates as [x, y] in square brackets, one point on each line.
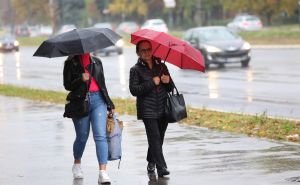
[171, 49]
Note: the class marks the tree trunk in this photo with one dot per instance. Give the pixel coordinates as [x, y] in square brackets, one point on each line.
[198, 14]
[269, 19]
[52, 15]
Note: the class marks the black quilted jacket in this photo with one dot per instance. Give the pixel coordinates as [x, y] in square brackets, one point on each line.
[73, 79]
[151, 99]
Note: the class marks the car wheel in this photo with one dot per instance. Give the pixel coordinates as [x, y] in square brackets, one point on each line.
[17, 49]
[120, 52]
[221, 65]
[106, 53]
[206, 65]
[245, 63]
[206, 61]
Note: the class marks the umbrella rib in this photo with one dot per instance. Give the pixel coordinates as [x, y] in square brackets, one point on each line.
[157, 48]
[168, 54]
[80, 41]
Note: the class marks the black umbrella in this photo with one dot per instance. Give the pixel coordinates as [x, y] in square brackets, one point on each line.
[77, 41]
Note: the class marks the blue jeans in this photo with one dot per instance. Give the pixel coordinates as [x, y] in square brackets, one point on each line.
[97, 118]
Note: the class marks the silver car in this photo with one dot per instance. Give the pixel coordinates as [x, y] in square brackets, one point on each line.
[8, 43]
[245, 23]
[155, 24]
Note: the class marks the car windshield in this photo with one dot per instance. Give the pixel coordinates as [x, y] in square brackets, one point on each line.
[7, 38]
[252, 19]
[217, 35]
[103, 25]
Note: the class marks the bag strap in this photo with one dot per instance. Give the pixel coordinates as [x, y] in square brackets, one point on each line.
[176, 90]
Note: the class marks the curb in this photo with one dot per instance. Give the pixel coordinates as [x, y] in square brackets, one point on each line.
[276, 46]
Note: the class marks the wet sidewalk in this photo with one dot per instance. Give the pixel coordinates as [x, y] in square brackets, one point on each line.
[36, 149]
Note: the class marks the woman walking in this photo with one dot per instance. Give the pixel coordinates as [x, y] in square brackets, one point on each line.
[84, 77]
[150, 82]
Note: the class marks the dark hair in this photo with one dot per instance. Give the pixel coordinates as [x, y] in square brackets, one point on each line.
[139, 43]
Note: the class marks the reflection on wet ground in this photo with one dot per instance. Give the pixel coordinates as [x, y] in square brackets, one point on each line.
[155, 180]
[36, 148]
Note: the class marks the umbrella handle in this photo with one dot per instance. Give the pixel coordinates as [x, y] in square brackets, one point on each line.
[161, 71]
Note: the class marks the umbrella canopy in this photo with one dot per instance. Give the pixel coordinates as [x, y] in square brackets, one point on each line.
[77, 41]
[171, 49]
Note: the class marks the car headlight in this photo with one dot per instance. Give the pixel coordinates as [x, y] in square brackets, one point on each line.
[1, 45]
[246, 46]
[212, 49]
[120, 43]
[16, 43]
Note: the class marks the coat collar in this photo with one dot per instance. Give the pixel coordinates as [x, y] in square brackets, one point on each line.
[155, 61]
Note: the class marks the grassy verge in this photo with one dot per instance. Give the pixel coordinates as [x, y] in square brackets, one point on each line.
[267, 36]
[274, 35]
[258, 126]
[31, 41]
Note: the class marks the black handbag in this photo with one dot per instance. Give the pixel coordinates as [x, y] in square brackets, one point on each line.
[77, 106]
[175, 107]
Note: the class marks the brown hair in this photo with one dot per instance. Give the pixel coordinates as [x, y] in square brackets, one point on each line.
[139, 43]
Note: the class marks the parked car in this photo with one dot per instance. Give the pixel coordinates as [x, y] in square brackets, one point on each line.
[46, 30]
[155, 24]
[127, 27]
[245, 23]
[118, 48]
[66, 28]
[219, 45]
[22, 31]
[103, 25]
[34, 31]
[8, 43]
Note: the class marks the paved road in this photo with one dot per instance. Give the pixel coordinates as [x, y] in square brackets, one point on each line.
[270, 84]
[36, 148]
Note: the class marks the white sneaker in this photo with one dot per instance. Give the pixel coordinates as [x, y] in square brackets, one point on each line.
[77, 172]
[103, 177]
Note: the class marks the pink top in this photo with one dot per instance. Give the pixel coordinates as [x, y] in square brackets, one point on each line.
[85, 59]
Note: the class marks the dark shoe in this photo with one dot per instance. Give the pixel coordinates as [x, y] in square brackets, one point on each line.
[162, 171]
[151, 167]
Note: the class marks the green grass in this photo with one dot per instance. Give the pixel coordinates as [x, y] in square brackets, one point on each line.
[274, 35]
[251, 125]
[31, 41]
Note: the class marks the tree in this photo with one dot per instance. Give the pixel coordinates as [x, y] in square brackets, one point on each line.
[6, 12]
[35, 11]
[185, 12]
[266, 8]
[32, 11]
[101, 5]
[71, 11]
[125, 8]
[91, 10]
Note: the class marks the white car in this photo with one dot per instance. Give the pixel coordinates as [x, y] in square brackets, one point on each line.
[66, 28]
[155, 24]
[245, 23]
[46, 30]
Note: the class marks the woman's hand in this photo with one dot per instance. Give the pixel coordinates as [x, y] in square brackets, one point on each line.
[165, 79]
[111, 113]
[156, 80]
[85, 77]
